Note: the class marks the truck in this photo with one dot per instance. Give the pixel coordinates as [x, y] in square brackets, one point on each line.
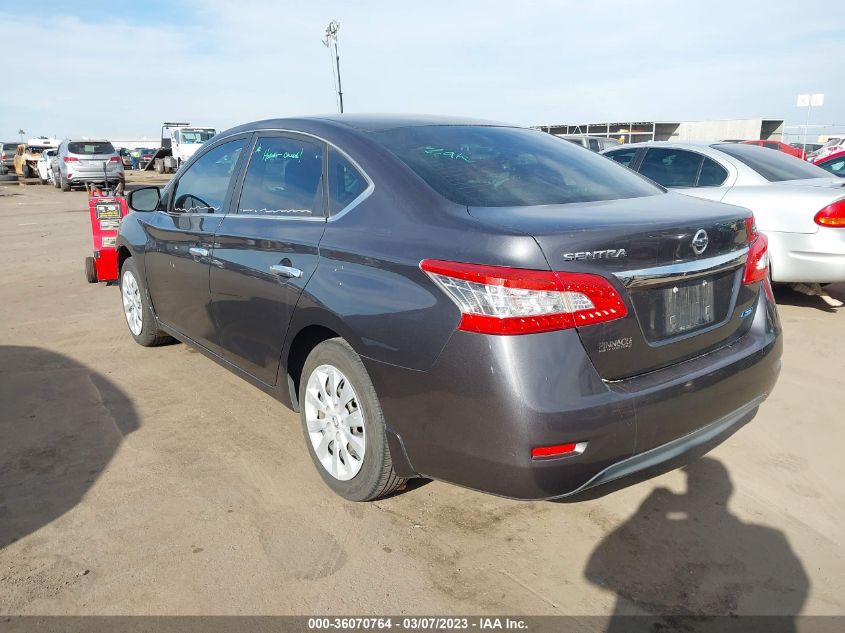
[179, 141]
[27, 155]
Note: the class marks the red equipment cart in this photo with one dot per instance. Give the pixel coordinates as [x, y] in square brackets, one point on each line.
[105, 213]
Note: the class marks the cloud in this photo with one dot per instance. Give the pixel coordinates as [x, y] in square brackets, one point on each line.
[221, 63]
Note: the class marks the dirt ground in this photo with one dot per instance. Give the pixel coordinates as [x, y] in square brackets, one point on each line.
[152, 481]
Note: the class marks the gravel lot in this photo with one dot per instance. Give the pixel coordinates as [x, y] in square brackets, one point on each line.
[152, 481]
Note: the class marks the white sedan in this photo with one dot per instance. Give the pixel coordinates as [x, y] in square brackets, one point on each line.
[798, 206]
[45, 166]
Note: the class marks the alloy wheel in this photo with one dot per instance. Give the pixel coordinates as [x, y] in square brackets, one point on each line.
[132, 303]
[335, 422]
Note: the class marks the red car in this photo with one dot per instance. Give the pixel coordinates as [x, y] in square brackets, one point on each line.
[834, 163]
[782, 147]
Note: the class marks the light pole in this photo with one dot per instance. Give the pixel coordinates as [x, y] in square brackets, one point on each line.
[331, 37]
[809, 101]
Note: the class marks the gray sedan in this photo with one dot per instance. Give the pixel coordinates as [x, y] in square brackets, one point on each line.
[798, 206]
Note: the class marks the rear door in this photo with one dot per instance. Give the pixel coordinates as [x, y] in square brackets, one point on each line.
[180, 240]
[266, 250]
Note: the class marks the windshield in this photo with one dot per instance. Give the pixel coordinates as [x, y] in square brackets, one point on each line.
[90, 147]
[773, 166]
[196, 136]
[481, 166]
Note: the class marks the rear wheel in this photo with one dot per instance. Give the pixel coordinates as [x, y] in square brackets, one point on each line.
[90, 270]
[343, 424]
[137, 310]
[65, 185]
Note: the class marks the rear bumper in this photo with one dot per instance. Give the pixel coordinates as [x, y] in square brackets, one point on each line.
[95, 178]
[808, 257]
[474, 417]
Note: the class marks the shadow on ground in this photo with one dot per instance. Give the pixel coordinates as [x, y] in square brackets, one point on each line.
[785, 295]
[60, 424]
[683, 557]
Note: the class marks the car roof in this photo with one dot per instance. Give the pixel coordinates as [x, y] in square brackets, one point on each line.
[832, 156]
[363, 122]
[677, 144]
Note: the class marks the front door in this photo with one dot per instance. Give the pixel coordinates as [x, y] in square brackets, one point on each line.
[266, 250]
[180, 240]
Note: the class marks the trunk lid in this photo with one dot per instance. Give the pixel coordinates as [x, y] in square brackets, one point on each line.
[684, 295]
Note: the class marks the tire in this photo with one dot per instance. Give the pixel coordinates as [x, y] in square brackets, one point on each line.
[90, 270]
[136, 303]
[159, 166]
[56, 182]
[358, 478]
[27, 171]
[44, 181]
[65, 185]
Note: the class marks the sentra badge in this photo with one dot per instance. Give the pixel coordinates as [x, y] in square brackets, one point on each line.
[610, 253]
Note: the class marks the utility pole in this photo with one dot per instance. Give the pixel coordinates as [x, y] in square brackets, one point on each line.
[331, 38]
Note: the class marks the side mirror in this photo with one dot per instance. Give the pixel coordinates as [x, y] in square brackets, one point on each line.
[144, 199]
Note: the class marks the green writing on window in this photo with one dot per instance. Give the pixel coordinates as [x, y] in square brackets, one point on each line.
[268, 155]
[441, 151]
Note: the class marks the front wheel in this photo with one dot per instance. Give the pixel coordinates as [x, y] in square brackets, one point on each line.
[137, 309]
[343, 424]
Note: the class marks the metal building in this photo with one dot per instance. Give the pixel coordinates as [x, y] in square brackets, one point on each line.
[637, 131]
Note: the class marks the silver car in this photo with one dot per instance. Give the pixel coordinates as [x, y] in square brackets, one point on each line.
[595, 143]
[80, 162]
[798, 206]
[7, 157]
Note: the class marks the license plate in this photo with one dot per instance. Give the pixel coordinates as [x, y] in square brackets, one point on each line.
[688, 306]
[94, 163]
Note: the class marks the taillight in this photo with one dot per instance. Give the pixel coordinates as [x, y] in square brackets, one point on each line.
[558, 450]
[3, 156]
[71, 159]
[832, 215]
[500, 300]
[757, 264]
[114, 159]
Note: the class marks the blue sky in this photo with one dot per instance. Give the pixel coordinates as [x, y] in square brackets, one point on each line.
[121, 68]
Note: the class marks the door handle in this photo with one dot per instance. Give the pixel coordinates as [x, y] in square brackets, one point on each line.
[197, 251]
[286, 271]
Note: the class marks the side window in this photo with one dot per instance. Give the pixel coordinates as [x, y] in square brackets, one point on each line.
[594, 144]
[771, 145]
[345, 182]
[671, 167]
[203, 187]
[712, 174]
[623, 156]
[835, 166]
[284, 179]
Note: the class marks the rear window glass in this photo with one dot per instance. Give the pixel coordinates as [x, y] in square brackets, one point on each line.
[486, 166]
[773, 166]
[90, 147]
[345, 183]
[10, 146]
[671, 167]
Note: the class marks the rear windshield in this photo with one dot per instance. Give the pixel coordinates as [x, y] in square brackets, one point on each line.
[90, 147]
[773, 166]
[9, 146]
[481, 166]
